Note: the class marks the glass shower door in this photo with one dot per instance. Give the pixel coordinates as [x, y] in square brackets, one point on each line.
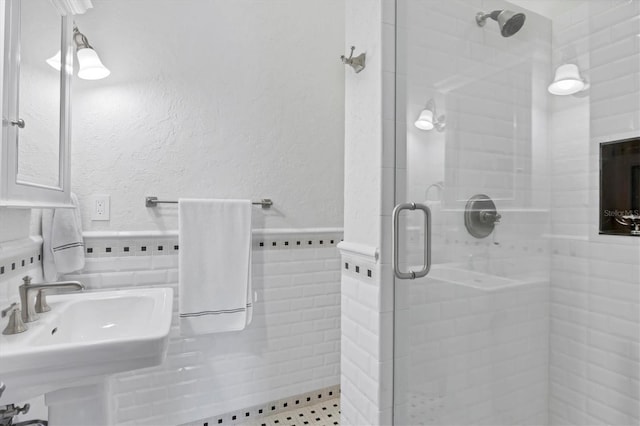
[471, 337]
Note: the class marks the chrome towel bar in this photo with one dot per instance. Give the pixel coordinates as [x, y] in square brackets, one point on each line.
[266, 203]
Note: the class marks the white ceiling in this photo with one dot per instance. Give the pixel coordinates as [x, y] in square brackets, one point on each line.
[548, 8]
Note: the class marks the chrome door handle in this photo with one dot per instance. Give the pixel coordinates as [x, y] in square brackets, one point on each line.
[395, 257]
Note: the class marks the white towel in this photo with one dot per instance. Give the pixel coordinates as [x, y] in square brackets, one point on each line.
[214, 265]
[63, 246]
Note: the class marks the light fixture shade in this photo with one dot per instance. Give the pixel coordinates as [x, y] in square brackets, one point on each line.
[567, 81]
[55, 61]
[90, 65]
[425, 120]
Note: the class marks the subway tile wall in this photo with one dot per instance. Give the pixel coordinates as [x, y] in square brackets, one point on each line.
[18, 258]
[367, 302]
[476, 356]
[367, 342]
[595, 297]
[291, 347]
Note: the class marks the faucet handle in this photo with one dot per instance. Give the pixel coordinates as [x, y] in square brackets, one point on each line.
[15, 324]
[41, 302]
[11, 410]
[27, 280]
[7, 310]
[490, 216]
[24, 409]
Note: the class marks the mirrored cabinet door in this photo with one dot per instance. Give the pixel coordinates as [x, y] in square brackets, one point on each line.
[35, 109]
[39, 95]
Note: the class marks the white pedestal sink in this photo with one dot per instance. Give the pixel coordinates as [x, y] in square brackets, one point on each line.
[68, 353]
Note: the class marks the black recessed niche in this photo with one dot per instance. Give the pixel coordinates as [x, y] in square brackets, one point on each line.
[620, 187]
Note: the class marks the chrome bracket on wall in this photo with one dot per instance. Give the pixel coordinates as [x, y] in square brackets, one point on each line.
[480, 216]
[357, 63]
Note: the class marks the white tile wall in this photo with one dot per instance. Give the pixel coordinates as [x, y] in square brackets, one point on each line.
[488, 88]
[369, 198]
[14, 224]
[18, 258]
[291, 347]
[367, 342]
[471, 356]
[595, 297]
[595, 329]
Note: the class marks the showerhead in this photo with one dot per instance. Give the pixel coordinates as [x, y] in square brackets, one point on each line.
[509, 22]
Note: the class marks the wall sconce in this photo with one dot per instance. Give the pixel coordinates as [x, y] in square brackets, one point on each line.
[90, 67]
[55, 61]
[428, 118]
[567, 81]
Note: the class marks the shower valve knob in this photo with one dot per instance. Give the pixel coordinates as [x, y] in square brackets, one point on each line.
[488, 216]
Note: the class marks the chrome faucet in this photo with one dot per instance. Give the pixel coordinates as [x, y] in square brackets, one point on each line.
[30, 309]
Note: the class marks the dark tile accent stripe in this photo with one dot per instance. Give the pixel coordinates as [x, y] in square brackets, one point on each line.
[163, 246]
[12, 266]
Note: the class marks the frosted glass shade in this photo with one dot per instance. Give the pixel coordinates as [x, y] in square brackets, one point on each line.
[567, 81]
[55, 61]
[425, 120]
[90, 65]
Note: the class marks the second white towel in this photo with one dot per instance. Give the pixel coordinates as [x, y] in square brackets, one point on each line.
[63, 245]
[214, 265]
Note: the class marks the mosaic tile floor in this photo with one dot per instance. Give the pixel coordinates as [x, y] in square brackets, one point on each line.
[326, 413]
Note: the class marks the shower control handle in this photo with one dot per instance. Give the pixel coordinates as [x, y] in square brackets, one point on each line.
[395, 257]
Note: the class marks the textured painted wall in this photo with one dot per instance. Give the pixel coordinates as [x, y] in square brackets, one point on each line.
[217, 99]
[363, 124]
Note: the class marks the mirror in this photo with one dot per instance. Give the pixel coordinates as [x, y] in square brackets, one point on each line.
[34, 166]
[39, 95]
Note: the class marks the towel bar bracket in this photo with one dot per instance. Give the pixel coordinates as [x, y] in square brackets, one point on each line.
[265, 203]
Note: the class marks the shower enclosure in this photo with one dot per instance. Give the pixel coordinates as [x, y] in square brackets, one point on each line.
[510, 307]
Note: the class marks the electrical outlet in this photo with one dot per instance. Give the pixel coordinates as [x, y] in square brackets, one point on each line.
[100, 207]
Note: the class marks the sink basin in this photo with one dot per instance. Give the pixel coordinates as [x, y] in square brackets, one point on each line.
[84, 337]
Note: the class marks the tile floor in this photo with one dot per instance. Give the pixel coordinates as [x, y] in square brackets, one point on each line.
[326, 413]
